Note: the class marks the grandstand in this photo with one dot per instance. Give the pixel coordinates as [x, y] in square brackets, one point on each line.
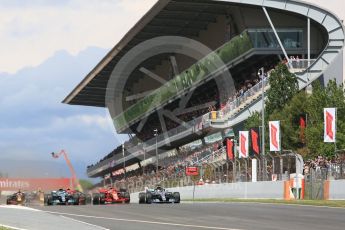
[246, 35]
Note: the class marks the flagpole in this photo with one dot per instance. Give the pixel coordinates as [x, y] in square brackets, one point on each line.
[335, 133]
[305, 128]
[280, 139]
[261, 72]
[124, 161]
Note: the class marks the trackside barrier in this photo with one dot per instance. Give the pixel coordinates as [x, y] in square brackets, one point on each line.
[332, 190]
[241, 190]
[290, 191]
[326, 185]
[287, 190]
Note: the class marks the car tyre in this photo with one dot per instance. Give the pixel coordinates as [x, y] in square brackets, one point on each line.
[102, 198]
[96, 199]
[76, 200]
[88, 199]
[177, 197]
[148, 198]
[142, 198]
[49, 200]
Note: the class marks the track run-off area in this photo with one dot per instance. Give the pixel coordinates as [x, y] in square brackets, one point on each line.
[221, 216]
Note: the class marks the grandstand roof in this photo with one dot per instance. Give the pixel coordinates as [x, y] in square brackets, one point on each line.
[166, 17]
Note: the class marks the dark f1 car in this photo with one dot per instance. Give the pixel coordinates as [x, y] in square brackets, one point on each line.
[66, 197]
[17, 198]
[111, 196]
[158, 195]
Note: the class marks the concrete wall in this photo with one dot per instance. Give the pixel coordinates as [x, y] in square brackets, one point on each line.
[260, 190]
[337, 190]
[334, 70]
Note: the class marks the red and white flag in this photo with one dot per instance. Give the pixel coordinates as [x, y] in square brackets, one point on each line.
[329, 115]
[244, 144]
[274, 129]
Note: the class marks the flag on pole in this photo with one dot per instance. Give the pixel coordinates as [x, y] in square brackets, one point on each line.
[230, 148]
[274, 129]
[302, 126]
[254, 141]
[244, 144]
[329, 124]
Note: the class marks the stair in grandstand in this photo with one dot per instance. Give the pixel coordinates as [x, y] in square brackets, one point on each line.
[305, 77]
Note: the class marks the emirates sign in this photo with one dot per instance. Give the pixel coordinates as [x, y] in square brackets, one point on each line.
[44, 184]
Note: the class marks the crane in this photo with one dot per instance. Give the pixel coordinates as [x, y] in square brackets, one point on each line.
[75, 180]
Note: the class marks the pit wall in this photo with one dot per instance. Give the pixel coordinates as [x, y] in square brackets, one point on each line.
[333, 190]
[244, 190]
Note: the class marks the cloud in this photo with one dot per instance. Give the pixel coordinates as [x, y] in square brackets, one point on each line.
[57, 43]
[30, 33]
[35, 122]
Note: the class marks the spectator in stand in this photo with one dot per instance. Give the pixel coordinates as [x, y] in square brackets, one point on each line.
[298, 63]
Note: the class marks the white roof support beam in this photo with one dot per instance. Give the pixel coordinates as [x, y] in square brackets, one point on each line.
[277, 36]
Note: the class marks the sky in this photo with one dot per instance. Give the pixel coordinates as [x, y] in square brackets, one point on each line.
[47, 48]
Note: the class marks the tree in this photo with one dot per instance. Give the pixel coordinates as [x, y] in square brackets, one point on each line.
[330, 96]
[253, 121]
[289, 121]
[283, 86]
[285, 104]
[85, 184]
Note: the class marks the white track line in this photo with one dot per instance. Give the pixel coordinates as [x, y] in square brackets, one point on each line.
[247, 202]
[11, 227]
[82, 222]
[144, 221]
[272, 204]
[19, 207]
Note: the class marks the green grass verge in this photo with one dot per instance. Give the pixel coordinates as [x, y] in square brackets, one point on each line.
[3, 228]
[327, 203]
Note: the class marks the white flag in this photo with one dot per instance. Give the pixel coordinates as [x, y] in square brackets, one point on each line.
[244, 144]
[274, 129]
[329, 115]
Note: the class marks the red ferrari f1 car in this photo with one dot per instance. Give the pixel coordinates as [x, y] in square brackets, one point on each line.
[110, 196]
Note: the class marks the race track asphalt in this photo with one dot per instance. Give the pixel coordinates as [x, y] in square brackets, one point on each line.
[225, 216]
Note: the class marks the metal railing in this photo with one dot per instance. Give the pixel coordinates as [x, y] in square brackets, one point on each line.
[214, 168]
[235, 105]
[210, 157]
[300, 65]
